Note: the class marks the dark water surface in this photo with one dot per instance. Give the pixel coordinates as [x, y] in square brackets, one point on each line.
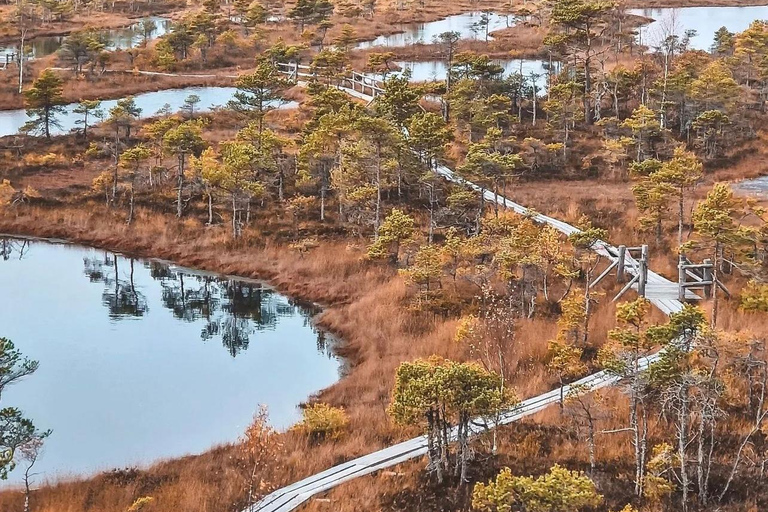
[141, 360]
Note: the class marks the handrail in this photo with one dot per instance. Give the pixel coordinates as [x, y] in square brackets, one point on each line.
[357, 84]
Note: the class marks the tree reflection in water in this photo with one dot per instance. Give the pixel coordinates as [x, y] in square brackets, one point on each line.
[120, 296]
[12, 248]
[230, 309]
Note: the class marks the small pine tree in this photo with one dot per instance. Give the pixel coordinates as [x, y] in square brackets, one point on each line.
[44, 101]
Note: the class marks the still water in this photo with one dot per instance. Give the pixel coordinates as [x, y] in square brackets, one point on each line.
[705, 20]
[465, 24]
[116, 39]
[425, 71]
[141, 360]
[149, 103]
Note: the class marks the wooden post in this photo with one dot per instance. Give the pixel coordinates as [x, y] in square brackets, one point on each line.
[643, 271]
[708, 275]
[620, 265]
[681, 279]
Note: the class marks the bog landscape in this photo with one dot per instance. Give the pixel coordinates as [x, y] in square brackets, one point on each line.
[383, 255]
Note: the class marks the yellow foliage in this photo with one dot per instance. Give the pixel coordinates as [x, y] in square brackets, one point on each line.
[6, 192]
[46, 160]
[322, 421]
[140, 503]
[31, 193]
[466, 329]
[102, 182]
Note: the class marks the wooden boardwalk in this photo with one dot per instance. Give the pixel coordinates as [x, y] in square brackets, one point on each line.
[667, 291]
[358, 85]
[292, 496]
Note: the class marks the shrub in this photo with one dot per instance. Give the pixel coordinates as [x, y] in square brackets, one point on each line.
[322, 421]
[140, 503]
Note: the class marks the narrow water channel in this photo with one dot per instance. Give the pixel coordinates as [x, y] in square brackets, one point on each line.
[142, 360]
[756, 187]
[150, 103]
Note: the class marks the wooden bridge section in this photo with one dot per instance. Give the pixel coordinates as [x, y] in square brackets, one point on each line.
[358, 85]
[657, 289]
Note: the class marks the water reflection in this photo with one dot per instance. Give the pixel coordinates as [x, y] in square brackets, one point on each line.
[131, 361]
[471, 25]
[13, 248]
[530, 69]
[120, 297]
[144, 29]
[230, 309]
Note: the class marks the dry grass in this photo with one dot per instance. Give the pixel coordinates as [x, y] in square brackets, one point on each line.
[366, 306]
[119, 17]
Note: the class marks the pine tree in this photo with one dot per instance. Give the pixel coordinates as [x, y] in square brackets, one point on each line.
[44, 101]
[621, 356]
[716, 223]
[237, 177]
[581, 25]
[440, 393]
[88, 108]
[645, 128]
[397, 228]
[681, 174]
[131, 160]
[183, 140]
[259, 92]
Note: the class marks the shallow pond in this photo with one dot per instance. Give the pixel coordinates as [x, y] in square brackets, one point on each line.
[425, 71]
[467, 24]
[149, 103]
[117, 38]
[705, 20]
[141, 360]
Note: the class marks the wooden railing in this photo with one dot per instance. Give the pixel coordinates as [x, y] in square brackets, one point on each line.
[356, 84]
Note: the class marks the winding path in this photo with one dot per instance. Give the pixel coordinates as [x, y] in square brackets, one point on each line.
[292, 496]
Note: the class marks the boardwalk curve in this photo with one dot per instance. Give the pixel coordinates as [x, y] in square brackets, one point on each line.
[292, 496]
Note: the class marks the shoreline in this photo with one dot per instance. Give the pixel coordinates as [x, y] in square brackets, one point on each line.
[337, 342]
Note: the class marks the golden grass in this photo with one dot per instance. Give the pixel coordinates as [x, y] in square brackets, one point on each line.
[366, 305]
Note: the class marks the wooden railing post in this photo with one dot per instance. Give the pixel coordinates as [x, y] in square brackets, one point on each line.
[643, 271]
[708, 278]
[681, 278]
[620, 263]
